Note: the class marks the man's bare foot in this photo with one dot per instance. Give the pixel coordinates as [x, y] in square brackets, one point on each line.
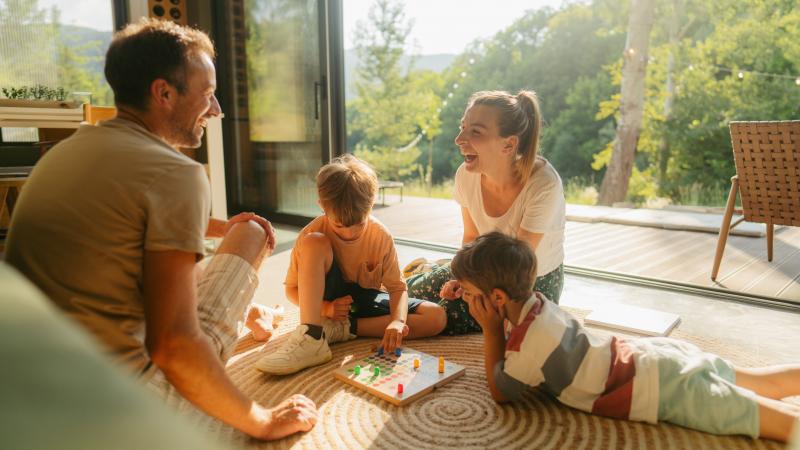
[262, 320]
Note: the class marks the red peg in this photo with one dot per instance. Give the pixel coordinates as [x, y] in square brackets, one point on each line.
[399, 388]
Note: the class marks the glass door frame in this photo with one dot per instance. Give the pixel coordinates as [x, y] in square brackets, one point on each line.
[331, 100]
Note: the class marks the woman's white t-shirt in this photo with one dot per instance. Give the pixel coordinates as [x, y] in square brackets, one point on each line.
[539, 208]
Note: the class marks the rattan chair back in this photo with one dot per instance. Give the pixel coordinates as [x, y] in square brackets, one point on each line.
[767, 157]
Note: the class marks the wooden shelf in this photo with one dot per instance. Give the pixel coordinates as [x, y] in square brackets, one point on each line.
[21, 117]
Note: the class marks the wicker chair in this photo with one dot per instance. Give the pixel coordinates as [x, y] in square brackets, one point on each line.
[767, 157]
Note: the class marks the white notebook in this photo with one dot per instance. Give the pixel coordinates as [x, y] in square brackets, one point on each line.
[633, 319]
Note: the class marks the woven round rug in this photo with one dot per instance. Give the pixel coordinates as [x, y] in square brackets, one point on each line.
[458, 415]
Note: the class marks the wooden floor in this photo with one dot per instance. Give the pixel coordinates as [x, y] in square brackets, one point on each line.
[682, 256]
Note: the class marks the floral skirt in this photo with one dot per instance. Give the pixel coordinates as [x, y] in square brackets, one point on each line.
[426, 285]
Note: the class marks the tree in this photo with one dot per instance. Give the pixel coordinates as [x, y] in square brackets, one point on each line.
[45, 52]
[560, 54]
[615, 182]
[395, 106]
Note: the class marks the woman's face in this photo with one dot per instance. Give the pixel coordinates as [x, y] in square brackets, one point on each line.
[479, 139]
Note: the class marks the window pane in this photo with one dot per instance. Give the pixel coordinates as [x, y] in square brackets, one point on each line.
[56, 43]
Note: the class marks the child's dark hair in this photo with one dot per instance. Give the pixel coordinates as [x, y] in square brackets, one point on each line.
[495, 260]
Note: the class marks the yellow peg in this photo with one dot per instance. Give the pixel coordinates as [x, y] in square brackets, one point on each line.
[416, 363]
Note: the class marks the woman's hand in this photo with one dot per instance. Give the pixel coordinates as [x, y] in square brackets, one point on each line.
[393, 336]
[338, 309]
[451, 290]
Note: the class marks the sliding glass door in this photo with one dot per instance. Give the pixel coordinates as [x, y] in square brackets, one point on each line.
[276, 76]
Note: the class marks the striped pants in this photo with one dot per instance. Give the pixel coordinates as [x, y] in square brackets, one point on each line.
[224, 291]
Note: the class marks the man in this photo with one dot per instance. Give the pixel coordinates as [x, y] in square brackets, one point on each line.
[111, 224]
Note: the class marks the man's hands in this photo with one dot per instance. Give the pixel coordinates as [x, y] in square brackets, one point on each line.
[486, 313]
[393, 336]
[338, 309]
[451, 290]
[265, 224]
[296, 413]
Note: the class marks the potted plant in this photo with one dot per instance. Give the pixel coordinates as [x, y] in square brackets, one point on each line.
[38, 96]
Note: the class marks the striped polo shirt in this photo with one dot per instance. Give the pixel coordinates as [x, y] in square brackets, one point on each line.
[589, 371]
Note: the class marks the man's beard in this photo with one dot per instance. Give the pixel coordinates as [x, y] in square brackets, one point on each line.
[185, 137]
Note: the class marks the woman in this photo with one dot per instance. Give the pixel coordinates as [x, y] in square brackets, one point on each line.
[503, 185]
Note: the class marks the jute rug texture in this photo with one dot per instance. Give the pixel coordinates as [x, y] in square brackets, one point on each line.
[459, 415]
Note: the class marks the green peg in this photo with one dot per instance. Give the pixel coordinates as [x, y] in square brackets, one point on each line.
[377, 371]
[357, 370]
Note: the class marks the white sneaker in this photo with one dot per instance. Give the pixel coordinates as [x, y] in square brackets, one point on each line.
[297, 353]
[337, 330]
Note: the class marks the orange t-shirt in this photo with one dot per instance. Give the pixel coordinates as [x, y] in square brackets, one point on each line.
[370, 260]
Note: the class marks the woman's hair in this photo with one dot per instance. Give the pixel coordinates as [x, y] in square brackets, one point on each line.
[497, 261]
[518, 115]
[346, 187]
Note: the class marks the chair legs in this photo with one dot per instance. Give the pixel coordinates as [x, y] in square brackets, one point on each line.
[725, 227]
[770, 234]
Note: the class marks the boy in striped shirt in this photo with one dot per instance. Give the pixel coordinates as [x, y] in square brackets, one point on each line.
[645, 379]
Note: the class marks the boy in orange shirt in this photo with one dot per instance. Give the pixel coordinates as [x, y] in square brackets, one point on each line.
[339, 264]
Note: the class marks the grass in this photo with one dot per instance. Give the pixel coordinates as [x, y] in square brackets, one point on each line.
[583, 192]
[417, 188]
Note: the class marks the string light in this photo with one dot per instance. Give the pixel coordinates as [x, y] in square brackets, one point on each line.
[740, 73]
[424, 128]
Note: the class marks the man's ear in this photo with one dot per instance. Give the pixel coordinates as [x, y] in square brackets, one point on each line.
[162, 94]
[499, 297]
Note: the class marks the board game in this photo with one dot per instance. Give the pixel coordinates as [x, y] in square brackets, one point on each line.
[397, 380]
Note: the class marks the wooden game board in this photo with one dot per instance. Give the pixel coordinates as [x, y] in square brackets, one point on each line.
[395, 370]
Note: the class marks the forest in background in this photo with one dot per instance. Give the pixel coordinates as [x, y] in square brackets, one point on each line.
[709, 63]
[44, 51]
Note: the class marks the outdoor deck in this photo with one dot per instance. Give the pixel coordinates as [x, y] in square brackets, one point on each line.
[673, 255]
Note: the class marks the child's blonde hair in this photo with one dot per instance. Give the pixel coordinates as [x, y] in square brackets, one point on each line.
[347, 187]
[517, 115]
[495, 260]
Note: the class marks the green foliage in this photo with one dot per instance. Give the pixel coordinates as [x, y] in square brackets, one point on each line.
[40, 51]
[751, 36]
[558, 54]
[395, 109]
[418, 188]
[572, 57]
[38, 92]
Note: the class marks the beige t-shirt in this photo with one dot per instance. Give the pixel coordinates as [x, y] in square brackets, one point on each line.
[539, 208]
[370, 260]
[90, 208]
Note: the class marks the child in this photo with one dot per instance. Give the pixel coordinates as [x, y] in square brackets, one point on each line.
[337, 267]
[646, 379]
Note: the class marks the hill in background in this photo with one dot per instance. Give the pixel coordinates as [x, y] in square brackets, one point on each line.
[435, 63]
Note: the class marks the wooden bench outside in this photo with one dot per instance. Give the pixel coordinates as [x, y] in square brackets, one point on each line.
[383, 185]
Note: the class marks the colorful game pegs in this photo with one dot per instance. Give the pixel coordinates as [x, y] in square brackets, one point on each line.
[380, 350]
[441, 364]
[357, 370]
[398, 351]
[416, 363]
[377, 371]
[399, 388]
